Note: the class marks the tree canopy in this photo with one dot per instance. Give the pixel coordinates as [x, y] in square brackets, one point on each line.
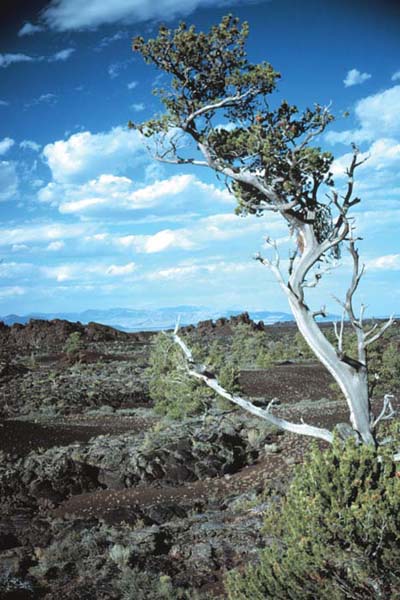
[223, 102]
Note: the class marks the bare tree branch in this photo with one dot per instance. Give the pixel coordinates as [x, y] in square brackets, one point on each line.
[382, 330]
[200, 371]
[226, 102]
[387, 411]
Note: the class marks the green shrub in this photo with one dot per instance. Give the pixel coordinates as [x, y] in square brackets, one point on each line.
[336, 535]
[74, 343]
[250, 348]
[385, 368]
[302, 347]
[176, 394]
[136, 584]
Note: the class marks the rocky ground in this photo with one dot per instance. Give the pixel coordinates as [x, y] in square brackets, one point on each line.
[101, 498]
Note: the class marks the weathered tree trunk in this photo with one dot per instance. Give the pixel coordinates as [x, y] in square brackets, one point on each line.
[351, 378]
[353, 382]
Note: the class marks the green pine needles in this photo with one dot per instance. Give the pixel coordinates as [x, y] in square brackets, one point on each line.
[335, 536]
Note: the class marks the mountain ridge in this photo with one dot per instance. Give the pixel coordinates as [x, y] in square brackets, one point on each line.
[128, 319]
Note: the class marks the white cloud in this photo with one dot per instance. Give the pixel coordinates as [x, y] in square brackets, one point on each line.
[60, 273]
[41, 233]
[19, 247]
[216, 193]
[64, 15]
[5, 145]
[185, 272]
[37, 183]
[9, 59]
[48, 98]
[8, 181]
[112, 193]
[354, 77]
[86, 271]
[29, 29]
[84, 155]
[166, 239]
[382, 156]
[30, 145]
[378, 116]
[167, 187]
[16, 270]
[115, 69]
[4, 103]
[137, 107]
[396, 76]
[132, 85]
[160, 241]
[62, 55]
[121, 270]
[56, 246]
[107, 40]
[219, 227]
[12, 291]
[389, 262]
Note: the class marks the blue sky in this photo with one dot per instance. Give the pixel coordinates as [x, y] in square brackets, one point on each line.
[89, 220]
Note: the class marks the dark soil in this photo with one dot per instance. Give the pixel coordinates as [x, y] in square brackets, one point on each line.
[289, 383]
[19, 437]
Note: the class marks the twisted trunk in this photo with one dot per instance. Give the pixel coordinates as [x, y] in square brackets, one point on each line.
[353, 382]
[351, 378]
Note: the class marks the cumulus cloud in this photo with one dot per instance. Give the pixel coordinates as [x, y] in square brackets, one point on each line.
[29, 29]
[60, 272]
[131, 85]
[355, 77]
[5, 145]
[56, 246]
[11, 270]
[194, 271]
[86, 155]
[389, 262]
[113, 193]
[41, 233]
[4, 103]
[64, 15]
[87, 272]
[172, 186]
[160, 241]
[204, 231]
[377, 115]
[11, 291]
[8, 181]
[396, 76]
[121, 270]
[382, 156]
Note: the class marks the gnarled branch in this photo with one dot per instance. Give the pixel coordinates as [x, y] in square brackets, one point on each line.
[200, 372]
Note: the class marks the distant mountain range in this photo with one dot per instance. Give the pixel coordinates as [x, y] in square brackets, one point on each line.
[154, 319]
[128, 319]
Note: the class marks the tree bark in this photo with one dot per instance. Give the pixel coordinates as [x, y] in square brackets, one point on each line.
[352, 379]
